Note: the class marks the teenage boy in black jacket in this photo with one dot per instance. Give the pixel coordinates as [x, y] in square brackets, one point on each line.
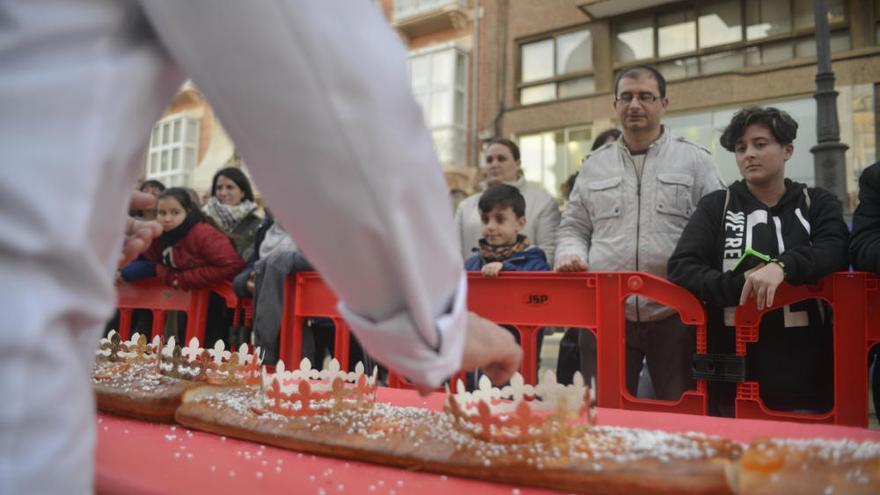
[801, 232]
[864, 250]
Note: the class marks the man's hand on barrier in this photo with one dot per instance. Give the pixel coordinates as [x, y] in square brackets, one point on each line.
[571, 263]
[762, 283]
[138, 233]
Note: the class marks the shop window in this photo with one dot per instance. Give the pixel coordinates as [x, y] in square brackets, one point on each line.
[549, 158]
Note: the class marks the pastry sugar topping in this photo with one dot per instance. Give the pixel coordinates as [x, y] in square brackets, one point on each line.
[520, 413]
[824, 450]
[598, 445]
[309, 392]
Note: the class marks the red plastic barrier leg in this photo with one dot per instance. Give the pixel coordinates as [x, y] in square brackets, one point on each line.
[158, 323]
[341, 343]
[295, 343]
[290, 326]
[528, 338]
[850, 353]
[610, 344]
[197, 316]
[124, 329]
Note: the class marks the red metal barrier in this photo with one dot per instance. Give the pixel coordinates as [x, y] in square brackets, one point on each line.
[855, 297]
[153, 295]
[529, 301]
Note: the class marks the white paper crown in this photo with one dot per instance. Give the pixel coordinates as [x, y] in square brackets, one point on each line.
[217, 365]
[135, 349]
[518, 412]
[307, 391]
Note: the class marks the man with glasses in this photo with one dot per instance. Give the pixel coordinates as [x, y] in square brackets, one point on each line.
[630, 203]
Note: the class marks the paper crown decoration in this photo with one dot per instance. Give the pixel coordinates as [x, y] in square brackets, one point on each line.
[216, 366]
[308, 392]
[519, 413]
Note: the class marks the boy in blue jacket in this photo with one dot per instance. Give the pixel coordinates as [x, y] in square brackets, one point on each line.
[503, 248]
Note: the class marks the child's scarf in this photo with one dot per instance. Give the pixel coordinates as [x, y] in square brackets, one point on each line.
[170, 238]
[491, 254]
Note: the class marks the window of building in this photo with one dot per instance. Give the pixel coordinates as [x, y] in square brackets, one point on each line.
[412, 8]
[549, 158]
[439, 82]
[705, 128]
[634, 40]
[708, 37]
[676, 33]
[720, 23]
[805, 17]
[877, 18]
[557, 67]
[856, 106]
[172, 154]
[767, 18]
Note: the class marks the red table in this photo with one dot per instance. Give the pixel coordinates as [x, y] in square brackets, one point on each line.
[134, 457]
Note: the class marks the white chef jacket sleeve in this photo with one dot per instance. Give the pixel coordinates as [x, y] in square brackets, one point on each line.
[317, 99]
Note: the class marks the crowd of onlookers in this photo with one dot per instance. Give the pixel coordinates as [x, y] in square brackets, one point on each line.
[644, 200]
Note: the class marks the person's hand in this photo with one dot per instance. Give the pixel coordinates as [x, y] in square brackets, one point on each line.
[491, 269]
[761, 282]
[570, 263]
[490, 348]
[251, 283]
[753, 269]
[119, 278]
[138, 233]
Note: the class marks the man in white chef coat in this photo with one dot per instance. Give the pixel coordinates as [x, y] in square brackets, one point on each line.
[315, 96]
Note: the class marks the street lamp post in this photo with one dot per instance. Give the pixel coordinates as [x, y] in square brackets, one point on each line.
[829, 159]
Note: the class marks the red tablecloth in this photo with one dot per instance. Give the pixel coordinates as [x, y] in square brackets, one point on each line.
[134, 457]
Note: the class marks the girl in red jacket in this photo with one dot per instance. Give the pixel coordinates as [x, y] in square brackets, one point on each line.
[190, 253]
[193, 254]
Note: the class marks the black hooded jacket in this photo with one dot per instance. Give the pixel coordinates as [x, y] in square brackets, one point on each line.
[792, 359]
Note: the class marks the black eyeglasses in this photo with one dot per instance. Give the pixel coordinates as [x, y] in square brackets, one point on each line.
[642, 97]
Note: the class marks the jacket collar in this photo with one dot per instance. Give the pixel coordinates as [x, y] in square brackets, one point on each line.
[654, 147]
[794, 191]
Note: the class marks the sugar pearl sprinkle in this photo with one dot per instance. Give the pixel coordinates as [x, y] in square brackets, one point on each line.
[600, 449]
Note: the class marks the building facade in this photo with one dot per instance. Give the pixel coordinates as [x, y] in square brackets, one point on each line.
[188, 144]
[541, 72]
[440, 39]
[549, 68]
